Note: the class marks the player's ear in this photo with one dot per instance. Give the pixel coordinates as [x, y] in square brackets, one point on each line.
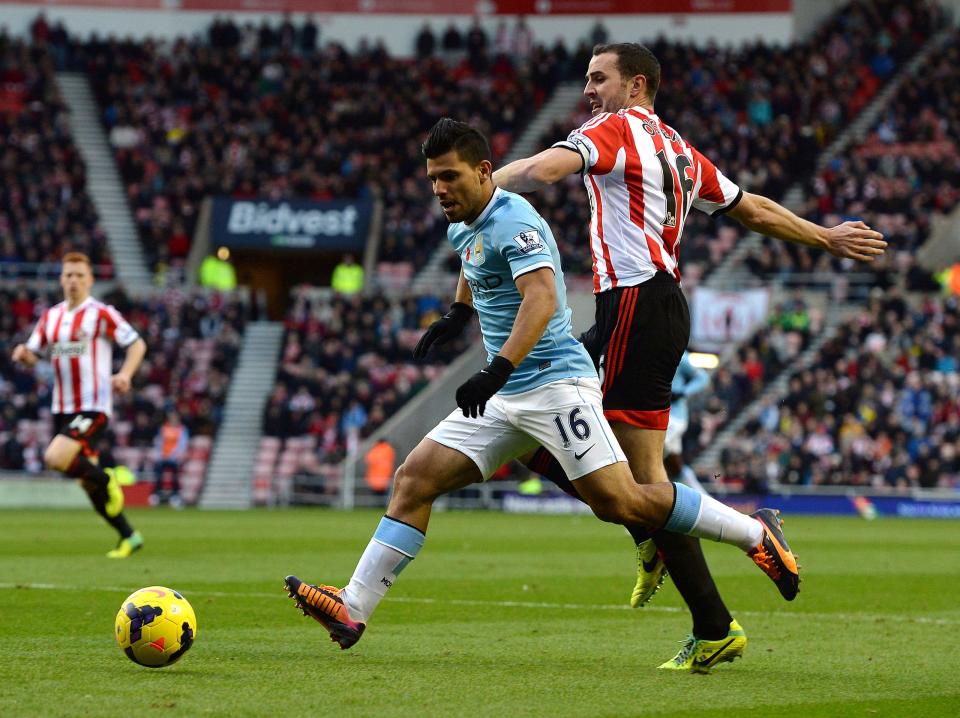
[638, 86]
[485, 170]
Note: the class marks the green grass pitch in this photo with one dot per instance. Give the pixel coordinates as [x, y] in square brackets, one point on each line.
[501, 615]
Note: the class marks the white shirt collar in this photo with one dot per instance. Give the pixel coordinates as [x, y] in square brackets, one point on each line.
[66, 304]
[486, 210]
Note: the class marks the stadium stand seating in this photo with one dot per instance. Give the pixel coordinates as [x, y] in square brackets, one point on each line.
[191, 119]
[346, 367]
[904, 173]
[736, 383]
[260, 112]
[44, 206]
[193, 341]
[878, 408]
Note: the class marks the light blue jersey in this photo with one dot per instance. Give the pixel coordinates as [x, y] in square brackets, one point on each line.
[508, 239]
[688, 380]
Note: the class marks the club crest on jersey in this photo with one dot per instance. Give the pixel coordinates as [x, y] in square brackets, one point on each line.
[474, 254]
[529, 241]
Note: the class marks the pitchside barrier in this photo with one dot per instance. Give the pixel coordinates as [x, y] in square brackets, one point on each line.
[22, 490]
[833, 501]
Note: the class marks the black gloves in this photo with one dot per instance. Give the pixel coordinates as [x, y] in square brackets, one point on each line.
[475, 392]
[447, 327]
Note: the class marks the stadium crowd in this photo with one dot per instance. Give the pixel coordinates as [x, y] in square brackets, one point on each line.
[44, 205]
[217, 116]
[879, 407]
[192, 346]
[904, 174]
[271, 111]
[741, 379]
[347, 366]
[267, 112]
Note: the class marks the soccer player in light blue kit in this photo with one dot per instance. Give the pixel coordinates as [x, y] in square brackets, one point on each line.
[539, 388]
[688, 381]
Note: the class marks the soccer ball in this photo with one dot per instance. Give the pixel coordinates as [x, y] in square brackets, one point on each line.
[155, 626]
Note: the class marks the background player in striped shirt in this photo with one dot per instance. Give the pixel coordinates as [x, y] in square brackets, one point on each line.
[79, 333]
[642, 178]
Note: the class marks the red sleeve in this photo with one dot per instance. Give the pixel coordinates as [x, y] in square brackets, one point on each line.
[715, 193]
[607, 138]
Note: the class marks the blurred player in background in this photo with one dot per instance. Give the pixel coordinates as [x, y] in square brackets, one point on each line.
[539, 388]
[642, 178]
[688, 381]
[79, 333]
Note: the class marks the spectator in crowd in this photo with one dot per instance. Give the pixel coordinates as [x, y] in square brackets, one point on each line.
[381, 460]
[599, 34]
[309, 36]
[216, 271]
[426, 42]
[170, 451]
[452, 40]
[476, 40]
[347, 276]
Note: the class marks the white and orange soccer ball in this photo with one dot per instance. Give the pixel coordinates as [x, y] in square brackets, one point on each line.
[155, 626]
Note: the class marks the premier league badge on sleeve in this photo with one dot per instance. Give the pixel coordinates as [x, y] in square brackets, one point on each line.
[529, 241]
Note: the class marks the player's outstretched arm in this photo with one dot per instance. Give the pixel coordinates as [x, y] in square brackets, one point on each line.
[537, 172]
[853, 240]
[23, 355]
[131, 362]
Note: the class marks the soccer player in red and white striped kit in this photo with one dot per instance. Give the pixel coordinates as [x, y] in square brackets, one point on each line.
[642, 178]
[79, 333]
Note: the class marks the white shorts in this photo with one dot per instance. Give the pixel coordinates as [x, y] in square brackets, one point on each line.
[673, 443]
[565, 417]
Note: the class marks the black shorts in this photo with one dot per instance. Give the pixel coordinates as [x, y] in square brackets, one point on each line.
[636, 345]
[86, 427]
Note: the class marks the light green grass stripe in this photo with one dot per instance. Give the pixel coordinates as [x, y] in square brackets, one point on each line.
[868, 617]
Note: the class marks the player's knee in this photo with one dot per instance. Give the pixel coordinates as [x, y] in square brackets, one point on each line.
[609, 509]
[55, 459]
[412, 483]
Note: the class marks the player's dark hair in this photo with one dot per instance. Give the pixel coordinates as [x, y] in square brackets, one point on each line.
[634, 59]
[447, 134]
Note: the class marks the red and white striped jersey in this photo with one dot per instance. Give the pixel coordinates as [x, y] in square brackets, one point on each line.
[81, 350]
[642, 178]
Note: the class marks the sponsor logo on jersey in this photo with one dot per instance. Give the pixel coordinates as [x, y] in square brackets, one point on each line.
[529, 241]
[482, 285]
[66, 350]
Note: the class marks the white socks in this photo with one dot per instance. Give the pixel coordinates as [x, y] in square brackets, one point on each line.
[703, 516]
[393, 546]
[719, 522]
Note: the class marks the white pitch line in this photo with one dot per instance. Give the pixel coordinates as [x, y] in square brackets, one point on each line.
[870, 617]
